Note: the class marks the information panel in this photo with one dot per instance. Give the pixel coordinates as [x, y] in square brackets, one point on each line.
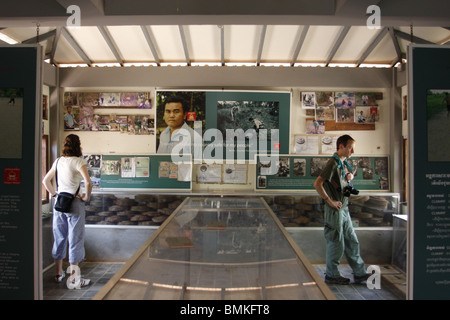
[300, 172]
[20, 141]
[144, 172]
[429, 133]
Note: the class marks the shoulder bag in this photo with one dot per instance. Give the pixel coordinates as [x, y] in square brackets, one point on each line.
[63, 199]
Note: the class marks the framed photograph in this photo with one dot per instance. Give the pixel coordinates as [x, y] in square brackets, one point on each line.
[345, 114]
[89, 99]
[314, 126]
[366, 98]
[344, 100]
[308, 100]
[362, 115]
[44, 107]
[325, 113]
[71, 117]
[324, 98]
[109, 99]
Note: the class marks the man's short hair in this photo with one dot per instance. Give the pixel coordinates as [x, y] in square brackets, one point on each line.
[343, 140]
[177, 99]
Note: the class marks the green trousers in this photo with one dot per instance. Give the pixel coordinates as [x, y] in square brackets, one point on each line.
[341, 239]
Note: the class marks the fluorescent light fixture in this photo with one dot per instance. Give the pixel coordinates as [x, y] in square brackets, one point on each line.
[7, 39]
[374, 65]
[115, 64]
[72, 65]
[173, 64]
[240, 64]
[140, 64]
[206, 64]
[309, 64]
[275, 64]
[342, 65]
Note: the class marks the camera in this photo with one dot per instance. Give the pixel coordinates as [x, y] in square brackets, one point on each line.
[348, 190]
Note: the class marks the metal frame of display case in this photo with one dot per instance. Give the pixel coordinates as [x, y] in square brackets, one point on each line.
[301, 264]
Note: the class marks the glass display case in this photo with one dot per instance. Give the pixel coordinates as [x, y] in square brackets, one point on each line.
[218, 248]
[366, 210]
[296, 210]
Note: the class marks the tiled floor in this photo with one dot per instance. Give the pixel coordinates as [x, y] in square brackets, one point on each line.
[98, 272]
[101, 272]
[360, 291]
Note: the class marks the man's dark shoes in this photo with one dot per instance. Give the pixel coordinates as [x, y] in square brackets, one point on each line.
[363, 278]
[337, 280]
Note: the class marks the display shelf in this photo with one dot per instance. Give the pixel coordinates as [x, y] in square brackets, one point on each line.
[293, 210]
[250, 257]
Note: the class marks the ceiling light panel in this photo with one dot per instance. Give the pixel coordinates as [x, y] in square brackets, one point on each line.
[241, 43]
[131, 43]
[65, 53]
[355, 43]
[318, 43]
[93, 44]
[203, 42]
[384, 52]
[168, 43]
[280, 43]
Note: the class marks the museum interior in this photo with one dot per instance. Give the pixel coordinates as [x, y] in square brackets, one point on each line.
[270, 86]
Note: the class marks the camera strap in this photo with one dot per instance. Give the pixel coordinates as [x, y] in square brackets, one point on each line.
[340, 165]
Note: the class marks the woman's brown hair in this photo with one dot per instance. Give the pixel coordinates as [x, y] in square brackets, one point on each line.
[71, 146]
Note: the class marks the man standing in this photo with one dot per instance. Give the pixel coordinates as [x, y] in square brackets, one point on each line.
[69, 119]
[177, 131]
[339, 234]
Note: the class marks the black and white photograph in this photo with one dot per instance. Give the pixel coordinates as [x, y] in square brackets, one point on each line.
[283, 168]
[299, 167]
[308, 100]
[247, 115]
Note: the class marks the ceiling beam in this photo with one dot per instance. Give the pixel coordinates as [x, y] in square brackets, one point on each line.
[41, 37]
[151, 45]
[372, 46]
[261, 44]
[396, 45]
[111, 44]
[337, 44]
[299, 45]
[222, 44]
[55, 45]
[411, 38]
[183, 41]
[76, 46]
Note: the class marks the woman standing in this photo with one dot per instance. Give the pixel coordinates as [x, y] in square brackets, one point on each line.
[69, 227]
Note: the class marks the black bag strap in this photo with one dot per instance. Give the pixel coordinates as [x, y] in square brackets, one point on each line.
[56, 174]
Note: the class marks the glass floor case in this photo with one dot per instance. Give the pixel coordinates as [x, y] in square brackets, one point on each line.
[228, 248]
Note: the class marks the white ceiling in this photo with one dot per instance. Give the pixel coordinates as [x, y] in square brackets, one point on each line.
[330, 33]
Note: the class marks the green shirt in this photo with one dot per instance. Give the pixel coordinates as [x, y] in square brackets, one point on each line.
[333, 180]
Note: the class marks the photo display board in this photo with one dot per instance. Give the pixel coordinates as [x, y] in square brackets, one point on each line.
[429, 196]
[143, 172]
[214, 114]
[20, 176]
[300, 172]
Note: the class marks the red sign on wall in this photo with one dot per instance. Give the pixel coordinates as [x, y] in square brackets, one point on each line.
[191, 116]
[11, 176]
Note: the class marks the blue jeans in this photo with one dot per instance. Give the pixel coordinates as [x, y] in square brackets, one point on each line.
[341, 239]
[69, 228]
